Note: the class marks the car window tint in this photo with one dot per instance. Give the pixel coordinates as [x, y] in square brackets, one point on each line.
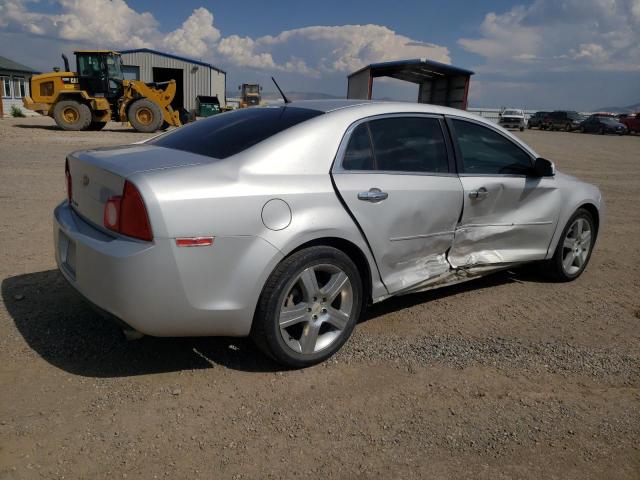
[226, 134]
[409, 144]
[487, 152]
[358, 155]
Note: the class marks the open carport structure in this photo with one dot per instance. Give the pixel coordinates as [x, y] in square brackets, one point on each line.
[439, 83]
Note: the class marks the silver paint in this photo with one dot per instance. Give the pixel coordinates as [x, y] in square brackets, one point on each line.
[427, 233]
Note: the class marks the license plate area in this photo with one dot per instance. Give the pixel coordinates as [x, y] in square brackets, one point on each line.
[67, 252]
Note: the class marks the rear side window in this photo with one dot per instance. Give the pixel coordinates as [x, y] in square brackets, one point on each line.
[226, 134]
[409, 144]
[359, 155]
[487, 152]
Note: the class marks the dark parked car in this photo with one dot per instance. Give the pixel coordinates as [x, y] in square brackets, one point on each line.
[602, 125]
[563, 120]
[536, 120]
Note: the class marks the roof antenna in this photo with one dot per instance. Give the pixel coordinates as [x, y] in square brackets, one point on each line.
[284, 97]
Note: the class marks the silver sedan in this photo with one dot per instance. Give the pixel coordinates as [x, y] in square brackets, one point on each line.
[284, 222]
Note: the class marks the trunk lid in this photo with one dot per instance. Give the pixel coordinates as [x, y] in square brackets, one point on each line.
[99, 174]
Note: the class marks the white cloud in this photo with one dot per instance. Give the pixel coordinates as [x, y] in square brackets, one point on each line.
[310, 51]
[341, 48]
[195, 36]
[561, 35]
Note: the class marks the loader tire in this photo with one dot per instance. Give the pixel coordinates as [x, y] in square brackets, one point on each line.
[72, 115]
[145, 116]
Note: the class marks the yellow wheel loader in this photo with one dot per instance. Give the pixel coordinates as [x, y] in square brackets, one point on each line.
[250, 95]
[97, 92]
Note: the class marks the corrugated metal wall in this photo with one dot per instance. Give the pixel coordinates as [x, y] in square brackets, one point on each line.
[197, 79]
[358, 85]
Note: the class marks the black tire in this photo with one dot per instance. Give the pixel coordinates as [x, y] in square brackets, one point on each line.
[95, 126]
[602, 131]
[522, 129]
[567, 127]
[72, 115]
[582, 130]
[554, 265]
[145, 116]
[529, 126]
[266, 332]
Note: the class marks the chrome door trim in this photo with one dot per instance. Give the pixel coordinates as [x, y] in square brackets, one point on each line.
[427, 235]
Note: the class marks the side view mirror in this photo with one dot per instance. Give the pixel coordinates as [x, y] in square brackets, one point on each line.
[544, 168]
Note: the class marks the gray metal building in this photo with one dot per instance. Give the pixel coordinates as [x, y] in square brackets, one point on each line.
[193, 77]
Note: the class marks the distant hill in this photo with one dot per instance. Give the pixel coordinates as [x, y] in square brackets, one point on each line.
[274, 96]
[628, 109]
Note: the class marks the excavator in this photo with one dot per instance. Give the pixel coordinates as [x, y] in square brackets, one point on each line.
[97, 92]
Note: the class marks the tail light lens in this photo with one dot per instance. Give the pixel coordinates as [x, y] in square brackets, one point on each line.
[127, 214]
[67, 176]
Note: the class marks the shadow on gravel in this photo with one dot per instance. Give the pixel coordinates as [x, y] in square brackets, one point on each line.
[65, 331]
[58, 129]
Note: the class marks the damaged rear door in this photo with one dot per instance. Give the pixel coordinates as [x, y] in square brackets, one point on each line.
[396, 175]
[509, 214]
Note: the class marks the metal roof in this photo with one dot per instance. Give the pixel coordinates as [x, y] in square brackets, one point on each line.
[6, 64]
[171, 55]
[414, 70]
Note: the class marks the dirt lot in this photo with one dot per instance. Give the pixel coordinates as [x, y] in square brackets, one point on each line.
[505, 377]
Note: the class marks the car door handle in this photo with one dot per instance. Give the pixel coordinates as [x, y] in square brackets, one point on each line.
[374, 195]
[480, 193]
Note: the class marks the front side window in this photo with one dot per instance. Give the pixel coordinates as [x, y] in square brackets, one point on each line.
[409, 144]
[226, 134]
[6, 86]
[485, 151]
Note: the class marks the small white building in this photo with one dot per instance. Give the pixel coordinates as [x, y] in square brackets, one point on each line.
[193, 77]
[14, 84]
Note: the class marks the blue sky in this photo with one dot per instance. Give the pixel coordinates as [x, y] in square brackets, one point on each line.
[579, 54]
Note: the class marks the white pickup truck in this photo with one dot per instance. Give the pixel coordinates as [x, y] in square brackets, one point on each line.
[512, 118]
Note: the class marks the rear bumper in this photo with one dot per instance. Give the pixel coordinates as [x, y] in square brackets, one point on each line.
[160, 289]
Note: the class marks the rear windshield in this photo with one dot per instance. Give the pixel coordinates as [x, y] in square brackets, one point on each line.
[226, 134]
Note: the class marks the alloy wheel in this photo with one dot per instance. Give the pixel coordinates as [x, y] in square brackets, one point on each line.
[576, 246]
[316, 309]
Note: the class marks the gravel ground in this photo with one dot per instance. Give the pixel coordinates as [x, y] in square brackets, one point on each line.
[505, 377]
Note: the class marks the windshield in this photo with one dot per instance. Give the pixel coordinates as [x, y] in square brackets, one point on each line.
[229, 133]
[512, 112]
[608, 120]
[252, 89]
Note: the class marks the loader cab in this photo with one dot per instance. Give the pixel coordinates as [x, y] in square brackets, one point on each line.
[249, 94]
[100, 73]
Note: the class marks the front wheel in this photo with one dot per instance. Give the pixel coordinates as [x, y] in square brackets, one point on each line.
[72, 115]
[574, 247]
[308, 308]
[145, 115]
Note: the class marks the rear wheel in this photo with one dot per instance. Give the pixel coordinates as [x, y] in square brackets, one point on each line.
[145, 115]
[72, 115]
[574, 247]
[308, 307]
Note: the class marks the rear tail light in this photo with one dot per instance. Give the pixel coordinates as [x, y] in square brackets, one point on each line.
[67, 176]
[127, 214]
